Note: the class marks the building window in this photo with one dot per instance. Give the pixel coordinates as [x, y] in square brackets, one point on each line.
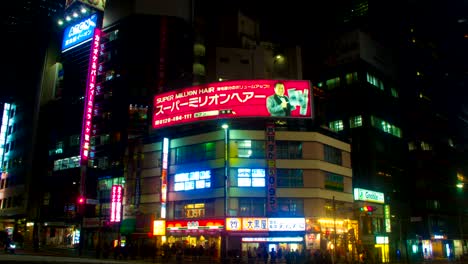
[288, 149]
[385, 126]
[333, 83]
[253, 149]
[411, 146]
[194, 153]
[336, 125]
[334, 182]
[75, 140]
[375, 81]
[250, 177]
[394, 92]
[252, 206]
[426, 146]
[351, 77]
[113, 35]
[291, 207]
[355, 121]
[290, 178]
[192, 180]
[332, 154]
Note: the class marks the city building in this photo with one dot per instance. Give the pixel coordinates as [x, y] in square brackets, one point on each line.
[359, 100]
[109, 65]
[231, 184]
[27, 26]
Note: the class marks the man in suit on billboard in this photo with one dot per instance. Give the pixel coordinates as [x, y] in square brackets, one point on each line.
[278, 104]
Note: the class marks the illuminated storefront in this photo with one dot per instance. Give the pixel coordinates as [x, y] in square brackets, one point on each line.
[270, 232]
[199, 232]
[320, 234]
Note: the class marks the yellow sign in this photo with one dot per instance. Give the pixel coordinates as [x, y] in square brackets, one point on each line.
[159, 227]
[233, 224]
[254, 224]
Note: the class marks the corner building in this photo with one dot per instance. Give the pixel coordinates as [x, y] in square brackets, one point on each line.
[219, 192]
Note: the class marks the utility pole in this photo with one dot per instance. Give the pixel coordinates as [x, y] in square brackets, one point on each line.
[334, 229]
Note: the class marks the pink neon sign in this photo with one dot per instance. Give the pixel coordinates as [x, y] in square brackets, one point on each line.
[233, 99]
[89, 99]
[116, 203]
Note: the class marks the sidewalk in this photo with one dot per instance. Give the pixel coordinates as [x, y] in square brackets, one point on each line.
[91, 255]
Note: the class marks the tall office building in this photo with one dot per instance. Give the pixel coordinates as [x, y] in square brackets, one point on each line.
[434, 72]
[27, 27]
[114, 85]
[403, 113]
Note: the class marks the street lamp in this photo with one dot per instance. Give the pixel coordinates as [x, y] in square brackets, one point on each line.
[226, 179]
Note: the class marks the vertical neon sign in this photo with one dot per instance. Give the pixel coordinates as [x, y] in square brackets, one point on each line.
[272, 203]
[116, 203]
[89, 98]
[165, 154]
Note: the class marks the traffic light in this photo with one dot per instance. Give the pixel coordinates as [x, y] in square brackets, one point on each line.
[368, 209]
[81, 200]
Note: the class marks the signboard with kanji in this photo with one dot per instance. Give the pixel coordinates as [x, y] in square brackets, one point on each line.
[233, 99]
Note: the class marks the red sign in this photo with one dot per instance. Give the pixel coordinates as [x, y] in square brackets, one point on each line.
[195, 224]
[89, 99]
[233, 99]
[116, 203]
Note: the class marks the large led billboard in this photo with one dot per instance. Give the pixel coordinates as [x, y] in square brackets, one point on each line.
[233, 99]
[79, 33]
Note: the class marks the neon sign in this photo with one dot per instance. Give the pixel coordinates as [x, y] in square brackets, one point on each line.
[232, 99]
[262, 224]
[89, 99]
[272, 202]
[209, 224]
[79, 33]
[165, 158]
[116, 203]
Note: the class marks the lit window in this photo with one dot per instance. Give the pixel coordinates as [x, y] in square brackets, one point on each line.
[192, 180]
[351, 77]
[336, 125]
[333, 83]
[426, 146]
[411, 146]
[385, 126]
[375, 81]
[250, 177]
[394, 92]
[355, 121]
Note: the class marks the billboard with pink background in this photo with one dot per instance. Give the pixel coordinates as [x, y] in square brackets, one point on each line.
[233, 99]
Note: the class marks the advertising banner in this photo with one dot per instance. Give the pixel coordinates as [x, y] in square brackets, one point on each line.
[196, 224]
[79, 32]
[272, 202]
[368, 195]
[233, 99]
[262, 224]
[87, 127]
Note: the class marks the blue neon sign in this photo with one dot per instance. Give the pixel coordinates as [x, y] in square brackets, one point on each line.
[79, 32]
